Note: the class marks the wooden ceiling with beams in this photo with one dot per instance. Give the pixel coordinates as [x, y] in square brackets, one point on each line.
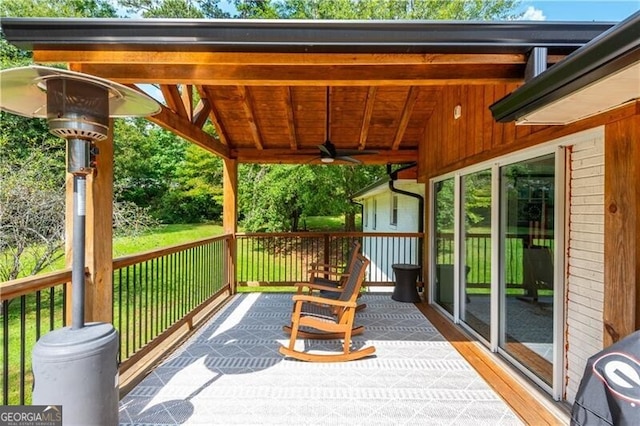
[263, 84]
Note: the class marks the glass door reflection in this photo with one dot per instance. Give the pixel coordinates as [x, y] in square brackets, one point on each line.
[476, 237]
[444, 243]
[527, 201]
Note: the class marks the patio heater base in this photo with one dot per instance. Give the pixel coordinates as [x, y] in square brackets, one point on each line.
[77, 369]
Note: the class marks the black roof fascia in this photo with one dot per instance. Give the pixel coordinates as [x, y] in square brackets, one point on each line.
[302, 35]
[606, 54]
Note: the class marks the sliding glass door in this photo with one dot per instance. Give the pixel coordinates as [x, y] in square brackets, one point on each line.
[494, 242]
[444, 209]
[527, 193]
[475, 281]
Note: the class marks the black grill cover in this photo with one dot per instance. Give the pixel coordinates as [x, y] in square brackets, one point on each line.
[609, 393]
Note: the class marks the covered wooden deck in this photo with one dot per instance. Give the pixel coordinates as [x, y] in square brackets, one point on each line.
[414, 92]
[425, 371]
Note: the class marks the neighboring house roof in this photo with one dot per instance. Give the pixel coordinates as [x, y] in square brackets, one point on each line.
[603, 74]
[408, 173]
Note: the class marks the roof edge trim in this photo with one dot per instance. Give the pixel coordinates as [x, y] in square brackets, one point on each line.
[307, 36]
[606, 54]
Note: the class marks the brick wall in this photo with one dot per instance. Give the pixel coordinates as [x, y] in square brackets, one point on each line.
[585, 277]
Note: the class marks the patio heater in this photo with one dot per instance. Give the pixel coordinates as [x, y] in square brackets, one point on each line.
[75, 366]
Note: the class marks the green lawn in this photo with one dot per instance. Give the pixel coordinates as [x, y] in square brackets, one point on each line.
[164, 236]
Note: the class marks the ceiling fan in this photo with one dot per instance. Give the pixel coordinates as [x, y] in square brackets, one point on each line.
[328, 151]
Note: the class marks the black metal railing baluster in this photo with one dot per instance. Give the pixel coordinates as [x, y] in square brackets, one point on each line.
[5, 352]
[23, 341]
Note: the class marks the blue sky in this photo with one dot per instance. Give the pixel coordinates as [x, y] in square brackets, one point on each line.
[579, 10]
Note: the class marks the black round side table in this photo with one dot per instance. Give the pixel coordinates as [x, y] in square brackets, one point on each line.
[406, 276]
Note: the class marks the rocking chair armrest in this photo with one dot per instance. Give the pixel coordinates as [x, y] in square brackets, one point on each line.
[316, 286]
[324, 265]
[325, 272]
[323, 301]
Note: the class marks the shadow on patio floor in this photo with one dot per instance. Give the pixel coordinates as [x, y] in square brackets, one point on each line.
[230, 372]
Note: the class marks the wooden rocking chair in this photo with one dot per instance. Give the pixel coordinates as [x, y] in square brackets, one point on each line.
[330, 318]
[328, 279]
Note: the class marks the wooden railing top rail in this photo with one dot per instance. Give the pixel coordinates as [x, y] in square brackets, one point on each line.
[333, 234]
[27, 285]
[124, 261]
[16, 288]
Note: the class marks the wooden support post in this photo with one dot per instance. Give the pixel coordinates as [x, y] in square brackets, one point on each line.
[230, 215]
[98, 238]
[622, 229]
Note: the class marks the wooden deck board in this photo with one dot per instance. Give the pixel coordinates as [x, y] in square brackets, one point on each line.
[526, 404]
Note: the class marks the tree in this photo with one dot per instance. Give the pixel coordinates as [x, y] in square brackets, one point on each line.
[32, 164]
[276, 197]
[31, 215]
[59, 8]
[197, 9]
[196, 194]
[145, 161]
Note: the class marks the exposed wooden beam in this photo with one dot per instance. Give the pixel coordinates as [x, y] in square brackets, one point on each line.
[213, 115]
[406, 115]
[247, 105]
[310, 156]
[311, 75]
[172, 97]
[201, 112]
[109, 56]
[368, 112]
[187, 99]
[291, 123]
[230, 217]
[182, 127]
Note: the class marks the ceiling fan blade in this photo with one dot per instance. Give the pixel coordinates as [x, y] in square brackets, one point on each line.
[349, 152]
[324, 150]
[348, 159]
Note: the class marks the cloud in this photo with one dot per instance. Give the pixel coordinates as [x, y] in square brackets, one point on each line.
[533, 14]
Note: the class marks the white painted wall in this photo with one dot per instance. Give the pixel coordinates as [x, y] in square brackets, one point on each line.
[585, 278]
[383, 256]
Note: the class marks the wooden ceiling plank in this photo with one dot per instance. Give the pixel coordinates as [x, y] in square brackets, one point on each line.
[368, 111]
[406, 115]
[108, 55]
[172, 97]
[291, 123]
[402, 75]
[214, 115]
[247, 104]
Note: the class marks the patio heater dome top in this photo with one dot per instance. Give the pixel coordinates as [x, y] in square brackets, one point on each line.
[24, 92]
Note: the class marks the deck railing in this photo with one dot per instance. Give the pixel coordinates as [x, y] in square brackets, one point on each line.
[31, 307]
[155, 296]
[159, 294]
[156, 291]
[283, 259]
